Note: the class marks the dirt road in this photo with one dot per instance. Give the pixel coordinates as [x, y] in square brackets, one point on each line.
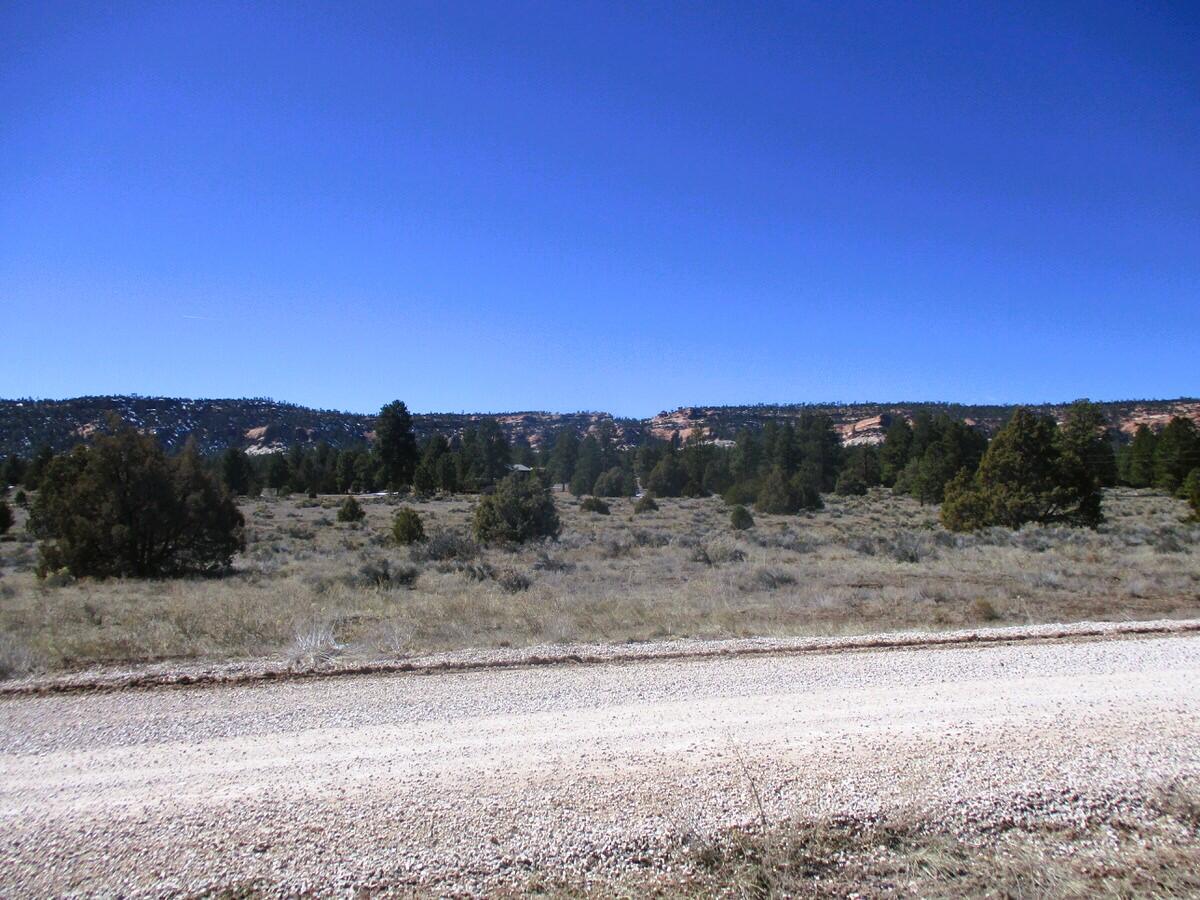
[471, 780]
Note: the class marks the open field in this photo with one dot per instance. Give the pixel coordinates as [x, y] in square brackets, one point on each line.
[309, 588]
[1060, 768]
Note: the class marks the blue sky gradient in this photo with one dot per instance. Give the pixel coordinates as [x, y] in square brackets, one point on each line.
[610, 206]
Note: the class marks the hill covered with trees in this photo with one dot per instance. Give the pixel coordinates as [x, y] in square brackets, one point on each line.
[260, 426]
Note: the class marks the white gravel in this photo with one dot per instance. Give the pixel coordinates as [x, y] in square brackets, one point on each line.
[465, 781]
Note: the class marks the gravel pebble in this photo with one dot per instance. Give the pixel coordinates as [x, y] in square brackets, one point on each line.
[468, 781]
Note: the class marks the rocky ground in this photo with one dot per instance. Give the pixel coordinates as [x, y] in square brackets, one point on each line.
[578, 775]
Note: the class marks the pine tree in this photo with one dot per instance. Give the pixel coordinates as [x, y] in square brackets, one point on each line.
[236, 471]
[1177, 453]
[667, 479]
[1191, 492]
[1085, 434]
[893, 455]
[776, 494]
[396, 444]
[14, 471]
[6, 517]
[587, 467]
[279, 473]
[1140, 472]
[563, 456]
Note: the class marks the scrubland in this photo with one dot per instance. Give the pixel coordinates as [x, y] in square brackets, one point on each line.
[309, 588]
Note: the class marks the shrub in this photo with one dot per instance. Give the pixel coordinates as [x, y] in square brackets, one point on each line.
[850, 484]
[741, 519]
[407, 527]
[983, 610]
[716, 553]
[519, 510]
[547, 563]
[351, 511]
[6, 517]
[909, 547]
[513, 582]
[379, 572]
[594, 505]
[122, 507]
[443, 546]
[646, 503]
[480, 571]
[15, 658]
[767, 579]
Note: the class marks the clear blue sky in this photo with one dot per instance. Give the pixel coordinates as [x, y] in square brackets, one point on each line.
[600, 206]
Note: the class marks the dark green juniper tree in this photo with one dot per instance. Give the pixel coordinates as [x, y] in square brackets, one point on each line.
[1028, 474]
[120, 506]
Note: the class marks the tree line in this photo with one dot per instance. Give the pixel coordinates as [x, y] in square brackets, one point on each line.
[121, 505]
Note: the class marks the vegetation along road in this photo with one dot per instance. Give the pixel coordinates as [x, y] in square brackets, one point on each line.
[580, 774]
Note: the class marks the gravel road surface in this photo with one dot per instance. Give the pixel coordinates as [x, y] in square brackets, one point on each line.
[468, 781]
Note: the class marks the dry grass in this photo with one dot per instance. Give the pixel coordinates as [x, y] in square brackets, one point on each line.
[863, 564]
[1142, 848]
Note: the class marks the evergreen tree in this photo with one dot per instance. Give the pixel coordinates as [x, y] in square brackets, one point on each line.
[614, 483]
[14, 471]
[649, 455]
[776, 494]
[396, 444]
[695, 458]
[850, 483]
[346, 470]
[236, 471]
[407, 527]
[1024, 476]
[718, 477]
[1085, 434]
[1191, 492]
[1140, 459]
[279, 473]
[519, 510]
[122, 507]
[740, 518]
[646, 503]
[563, 456]
[6, 517]
[860, 470]
[746, 458]
[587, 467]
[490, 454]
[447, 474]
[32, 476]
[893, 455]
[427, 477]
[667, 479]
[351, 511]
[1176, 454]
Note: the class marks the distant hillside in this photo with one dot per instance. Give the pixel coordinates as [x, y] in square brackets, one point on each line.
[866, 423]
[265, 426]
[256, 425]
